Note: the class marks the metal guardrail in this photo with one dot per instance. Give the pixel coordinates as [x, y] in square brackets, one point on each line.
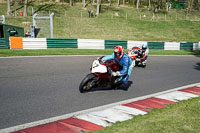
[62, 43]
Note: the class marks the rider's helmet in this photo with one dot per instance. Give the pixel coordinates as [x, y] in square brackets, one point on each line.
[119, 52]
[144, 47]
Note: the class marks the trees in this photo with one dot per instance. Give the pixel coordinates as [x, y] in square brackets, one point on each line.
[71, 2]
[149, 4]
[118, 3]
[197, 4]
[109, 2]
[98, 7]
[83, 2]
[137, 5]
[25, 8]
[193, 5]
[8, 7]
[189, 5]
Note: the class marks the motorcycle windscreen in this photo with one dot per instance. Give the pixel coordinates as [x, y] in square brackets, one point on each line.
[98, 68]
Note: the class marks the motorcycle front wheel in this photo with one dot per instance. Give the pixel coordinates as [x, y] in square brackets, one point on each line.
[87, 83]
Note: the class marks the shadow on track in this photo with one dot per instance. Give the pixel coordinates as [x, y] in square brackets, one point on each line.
[122, 87]
[197, 54]
[197, 66]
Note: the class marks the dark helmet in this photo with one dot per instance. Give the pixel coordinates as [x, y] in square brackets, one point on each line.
[144, 47]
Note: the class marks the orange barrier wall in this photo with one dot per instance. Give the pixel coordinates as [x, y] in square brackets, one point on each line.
[16, 43]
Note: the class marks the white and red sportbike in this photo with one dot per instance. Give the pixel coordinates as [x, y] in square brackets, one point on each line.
[138, 57]
[101, 75]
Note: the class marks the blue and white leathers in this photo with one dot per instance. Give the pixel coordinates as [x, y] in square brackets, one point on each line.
[127, 64]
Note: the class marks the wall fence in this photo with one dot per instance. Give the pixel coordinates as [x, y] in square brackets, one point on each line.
[45, 43]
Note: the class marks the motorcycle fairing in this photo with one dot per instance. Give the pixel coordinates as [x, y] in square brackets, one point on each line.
[98, 68]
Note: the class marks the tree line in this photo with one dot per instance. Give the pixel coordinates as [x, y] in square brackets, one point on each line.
[154, 5]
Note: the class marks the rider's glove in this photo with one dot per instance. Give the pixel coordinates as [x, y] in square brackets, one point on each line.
[117, 73]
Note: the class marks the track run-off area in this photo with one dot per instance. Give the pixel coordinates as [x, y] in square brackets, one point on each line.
[37, 88]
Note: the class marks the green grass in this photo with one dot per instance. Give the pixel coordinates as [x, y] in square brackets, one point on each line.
[68, 23]
[56, 51]
[174, 52]
[182, 117]
[66, 51]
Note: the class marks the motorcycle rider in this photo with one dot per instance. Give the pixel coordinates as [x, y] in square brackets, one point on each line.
[144, 54]
[145, 50]
[125, 61]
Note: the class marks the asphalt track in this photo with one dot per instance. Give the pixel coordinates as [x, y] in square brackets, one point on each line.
[36, 88]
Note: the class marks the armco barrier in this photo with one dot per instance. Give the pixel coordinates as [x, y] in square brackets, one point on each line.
[186, 45]
[196, 46]
[62, 43]
[131, 44]
[16, 43]
[43, 43]
[172, 46]
[156, 45]
[3, 43]
[90, 44]
[110, 44]
[34, 43]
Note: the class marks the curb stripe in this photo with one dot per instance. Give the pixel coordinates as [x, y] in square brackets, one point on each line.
[81, 124]
[193, 90]
[93, 119]
[73, 127]
[176, 96]
[54, 127]
[111, 115]
[149, 104]
[140, 107]
[131, 111]
[161, 101]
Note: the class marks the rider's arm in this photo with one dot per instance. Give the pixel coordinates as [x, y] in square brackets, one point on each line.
[108, 57]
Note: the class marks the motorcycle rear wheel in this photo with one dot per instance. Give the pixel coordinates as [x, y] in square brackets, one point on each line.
[144, 66]
[87, 83]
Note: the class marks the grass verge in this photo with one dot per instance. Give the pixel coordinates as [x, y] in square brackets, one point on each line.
[182, 117]
[56, 51]
[65, 51]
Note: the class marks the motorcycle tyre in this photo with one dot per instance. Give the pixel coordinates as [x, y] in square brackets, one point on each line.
[87, 79]
[143, 66]
[114, 86]
[136, 64]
